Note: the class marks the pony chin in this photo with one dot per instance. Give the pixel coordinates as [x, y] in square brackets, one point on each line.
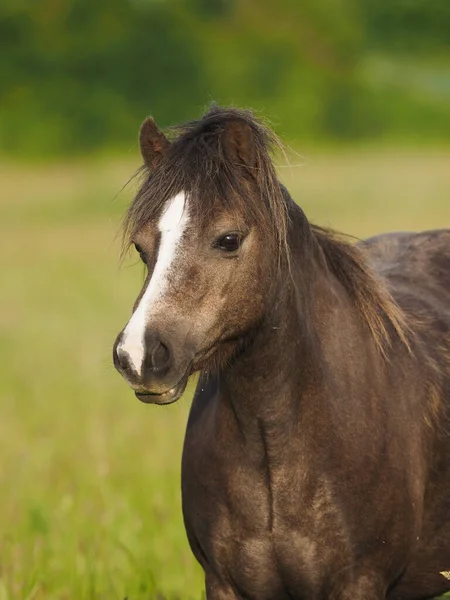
[168, 397]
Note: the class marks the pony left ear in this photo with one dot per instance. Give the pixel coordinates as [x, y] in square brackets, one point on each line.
[153, 143]
[239, 143]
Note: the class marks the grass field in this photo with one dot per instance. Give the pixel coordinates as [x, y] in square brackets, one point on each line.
[90, 495]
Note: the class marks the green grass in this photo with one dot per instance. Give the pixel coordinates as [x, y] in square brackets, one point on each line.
[90, 496]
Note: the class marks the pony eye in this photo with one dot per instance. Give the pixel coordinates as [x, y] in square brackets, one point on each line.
[138, 248]
[229, 242]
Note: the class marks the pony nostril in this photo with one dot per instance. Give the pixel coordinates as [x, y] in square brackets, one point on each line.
[161, 354]
[159, 357]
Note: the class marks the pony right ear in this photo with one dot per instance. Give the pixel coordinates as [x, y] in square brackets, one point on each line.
[153, 143]
[239, 143]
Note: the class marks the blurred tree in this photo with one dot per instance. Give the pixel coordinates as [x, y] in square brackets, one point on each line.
[417, 26]
[77, 75]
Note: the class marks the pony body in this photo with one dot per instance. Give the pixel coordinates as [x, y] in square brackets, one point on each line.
[316, 462]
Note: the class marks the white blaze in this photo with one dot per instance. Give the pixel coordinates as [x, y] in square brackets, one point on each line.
[172, 225]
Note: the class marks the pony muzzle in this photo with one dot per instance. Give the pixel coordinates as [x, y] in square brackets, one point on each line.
[153, 373]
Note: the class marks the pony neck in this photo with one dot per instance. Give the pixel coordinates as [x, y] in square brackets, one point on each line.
[312, 324]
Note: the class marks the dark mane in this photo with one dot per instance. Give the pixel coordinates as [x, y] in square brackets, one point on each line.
[369, 293]
[197, 163]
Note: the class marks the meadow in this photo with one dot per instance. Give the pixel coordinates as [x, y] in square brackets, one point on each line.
[90, 496]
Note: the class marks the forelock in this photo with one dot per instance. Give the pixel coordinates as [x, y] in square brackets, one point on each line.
[196, 163]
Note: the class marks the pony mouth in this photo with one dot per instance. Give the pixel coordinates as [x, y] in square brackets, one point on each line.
[167, 397]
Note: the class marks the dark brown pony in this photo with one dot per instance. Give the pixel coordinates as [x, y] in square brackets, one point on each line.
[317, 455]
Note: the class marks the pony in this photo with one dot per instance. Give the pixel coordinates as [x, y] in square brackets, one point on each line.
[316, 461]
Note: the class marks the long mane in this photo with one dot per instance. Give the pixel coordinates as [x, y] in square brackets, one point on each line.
[196, 163]
[368, 291]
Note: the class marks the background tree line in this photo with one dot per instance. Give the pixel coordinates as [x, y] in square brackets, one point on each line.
[79, 76]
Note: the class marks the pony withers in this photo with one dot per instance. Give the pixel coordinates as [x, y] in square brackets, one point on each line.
[316, 461]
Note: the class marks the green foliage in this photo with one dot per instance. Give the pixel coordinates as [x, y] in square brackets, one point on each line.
[413, 26]
[82, 74]
[79, 76]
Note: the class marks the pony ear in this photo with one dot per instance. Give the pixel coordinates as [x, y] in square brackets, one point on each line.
[153, 143]
[239, 143]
